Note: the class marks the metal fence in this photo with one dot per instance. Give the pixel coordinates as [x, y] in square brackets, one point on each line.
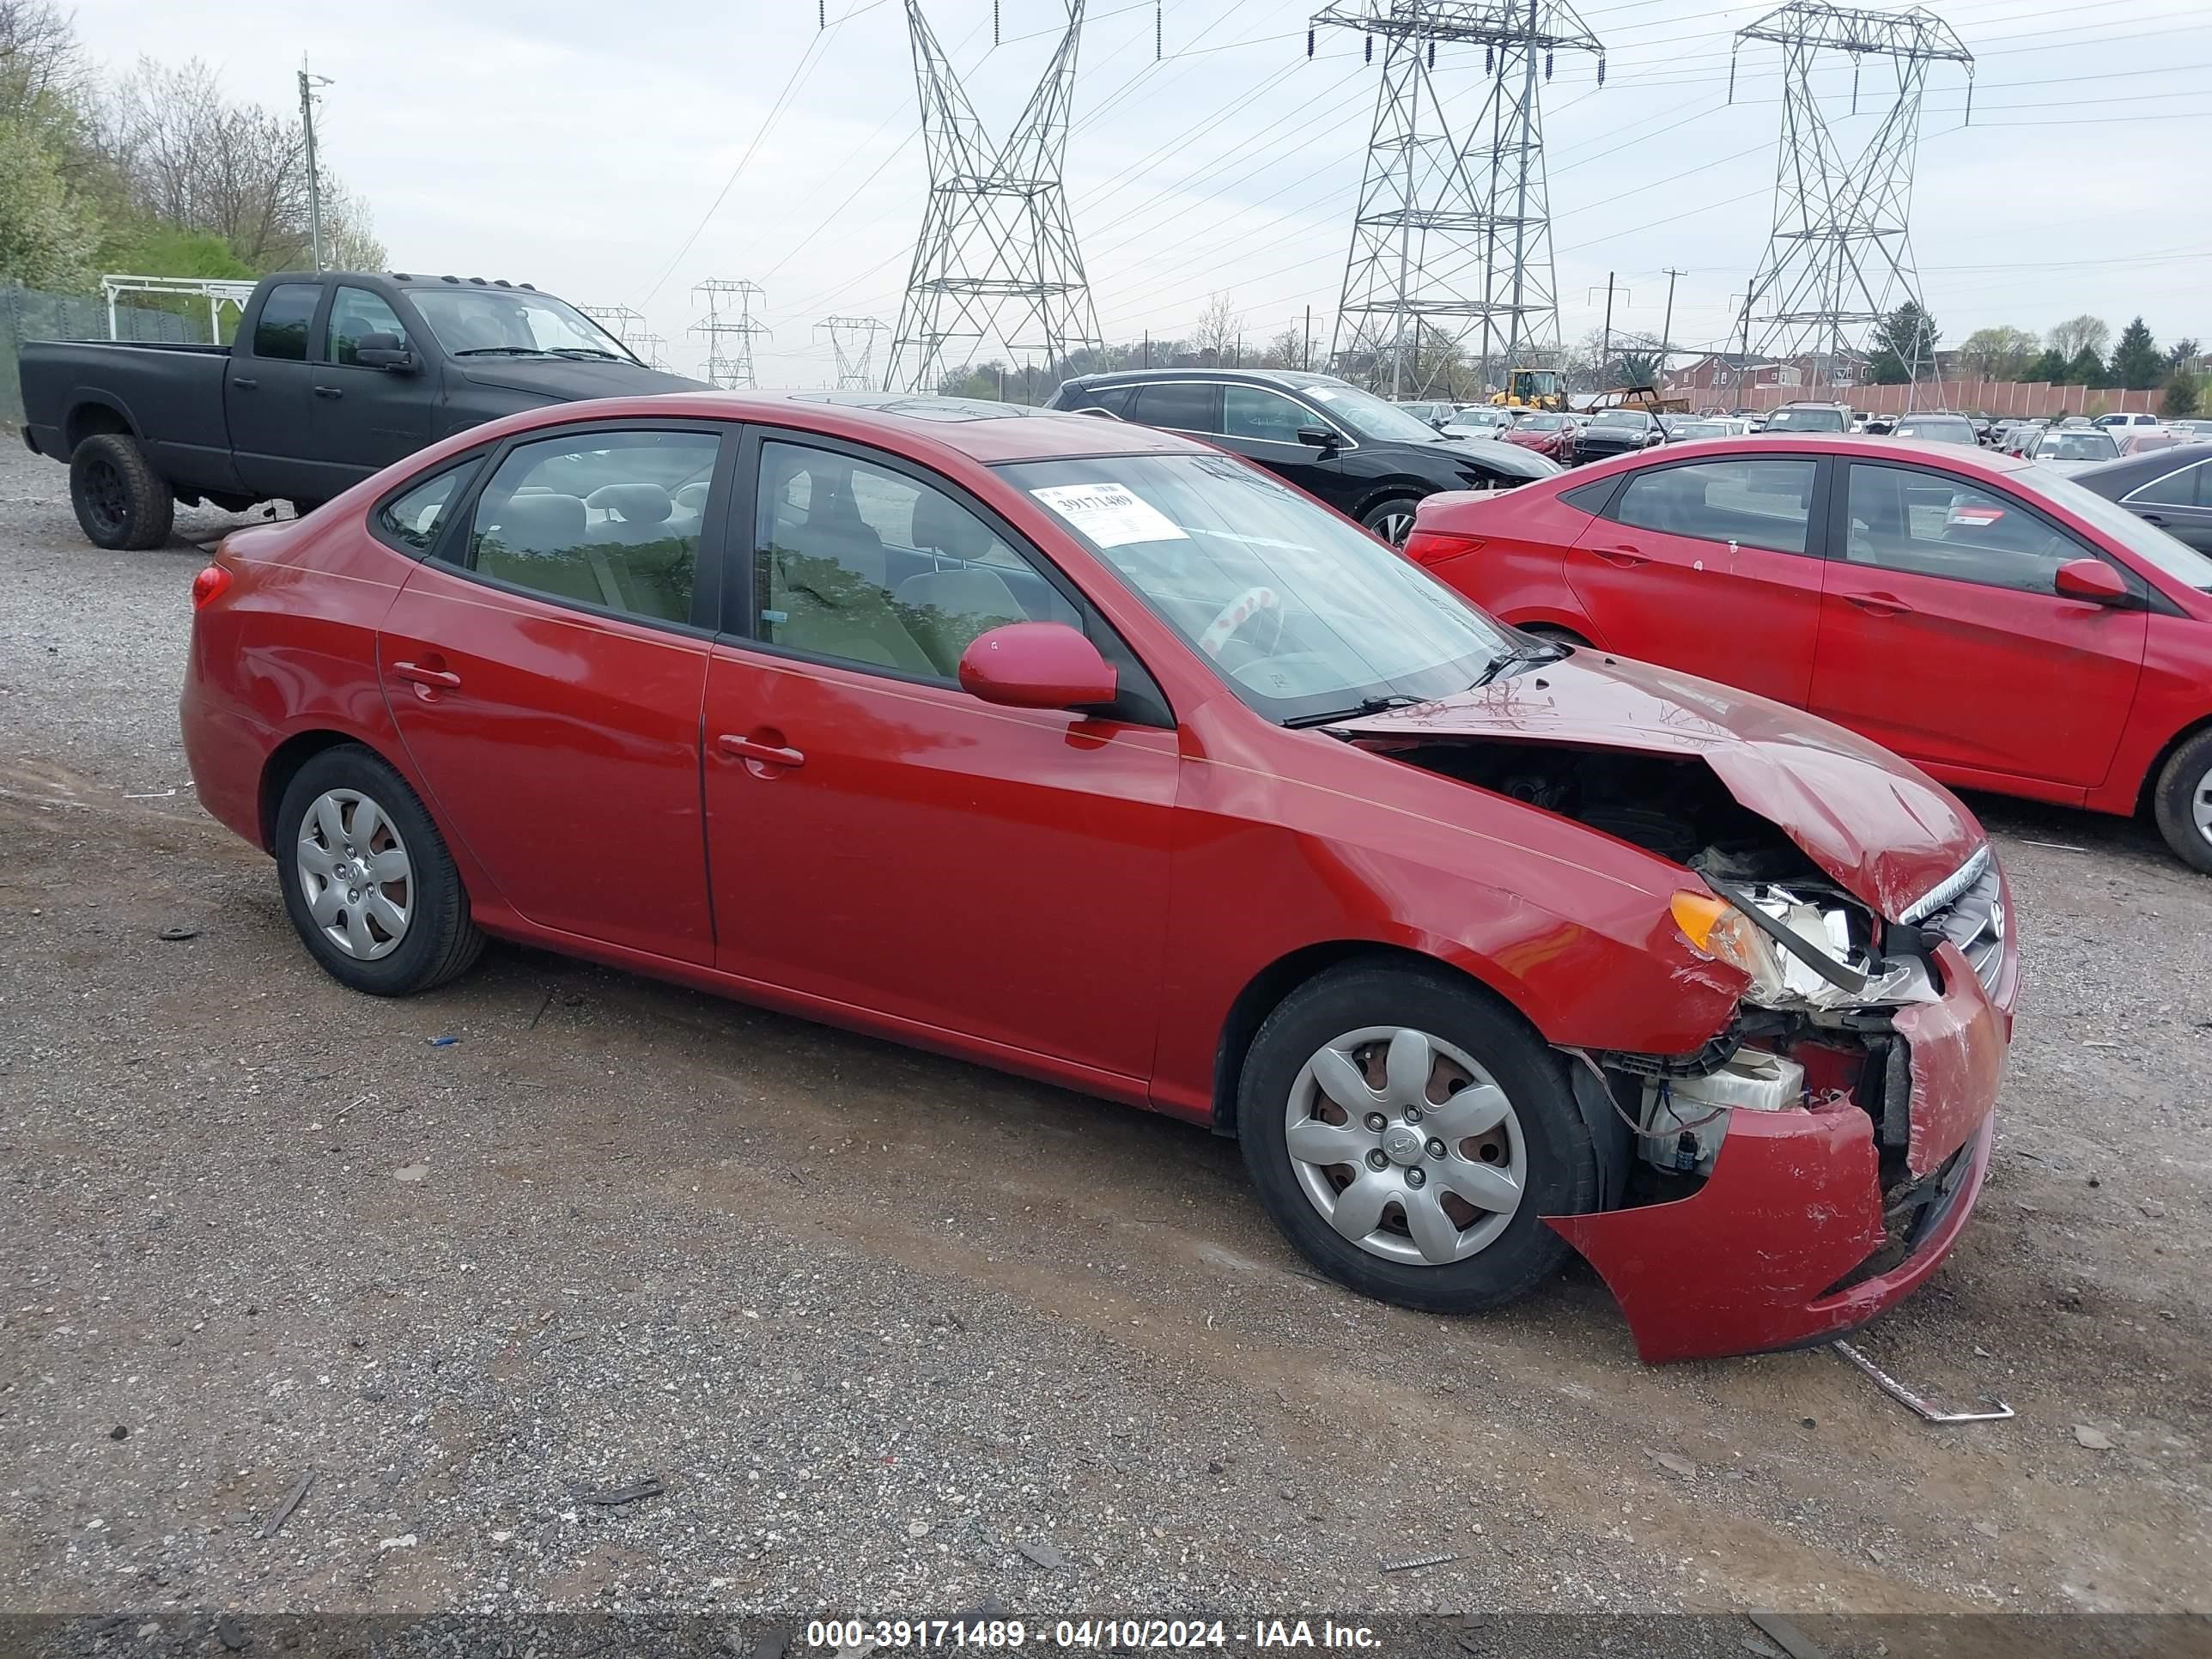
[29, 313]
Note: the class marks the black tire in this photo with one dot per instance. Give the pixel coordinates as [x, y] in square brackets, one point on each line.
[1392, 520]
[2186, 779]
[1560, 1176]
[120, 500]
[439, 940]
[1555, 634]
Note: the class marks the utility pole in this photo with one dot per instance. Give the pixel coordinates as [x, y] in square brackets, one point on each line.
[1305, 343]
[1667, 328]
[1148, 348]
[1605, 352]
[308, 85]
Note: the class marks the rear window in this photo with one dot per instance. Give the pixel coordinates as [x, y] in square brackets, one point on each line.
[1805, 420]
[282, 329]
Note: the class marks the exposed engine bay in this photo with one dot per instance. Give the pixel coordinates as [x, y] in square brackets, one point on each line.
[1814, 1027]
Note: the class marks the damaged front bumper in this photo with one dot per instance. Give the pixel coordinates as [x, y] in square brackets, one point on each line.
[1790, 1241]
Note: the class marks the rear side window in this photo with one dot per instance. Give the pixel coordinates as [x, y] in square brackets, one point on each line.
[1187, 405]
[413, 521]
[1114, 399]
[1755, 502]
[1590, 498]
[281, 331]
[2186, 488]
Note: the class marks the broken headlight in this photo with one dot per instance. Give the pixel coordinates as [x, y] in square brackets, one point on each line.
[1799, 954]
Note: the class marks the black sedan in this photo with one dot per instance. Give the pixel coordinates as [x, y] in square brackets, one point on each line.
[2169, 487]
[1619, 432]
[1367, 459]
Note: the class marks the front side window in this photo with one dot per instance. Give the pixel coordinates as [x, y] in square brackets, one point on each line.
[1302, 615]
[494, 322]
[1263, 417]
[1928, 525]
[1186, 405]
[356, 313]
[2186, 488]
[281, 331]
[608, 519]
[1755, 502]
[866, 566]
[413, 519]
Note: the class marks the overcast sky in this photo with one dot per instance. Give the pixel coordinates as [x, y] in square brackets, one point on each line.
[582, 147]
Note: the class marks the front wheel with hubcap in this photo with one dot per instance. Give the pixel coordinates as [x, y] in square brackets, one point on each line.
[2182, 802]
[1393, 521]
[1407, 1133]
[367, 881]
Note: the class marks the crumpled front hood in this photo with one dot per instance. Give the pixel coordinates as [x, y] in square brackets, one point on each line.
[571, 380]
[1879, 825]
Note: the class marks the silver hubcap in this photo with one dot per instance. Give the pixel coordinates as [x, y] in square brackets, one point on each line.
[354, 874]
[1405, 1145]
[2200, 805]
[1395, 527]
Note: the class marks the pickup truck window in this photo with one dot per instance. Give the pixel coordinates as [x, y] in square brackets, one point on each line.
[494, 322]
[355, 312]
[282, 329]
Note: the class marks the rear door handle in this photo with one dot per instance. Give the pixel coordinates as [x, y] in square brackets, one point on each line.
[1626, 557]
[243, 382]
[435, 678]
[329, 392]
[1880, 604]
[2152, 518]
[768, 754]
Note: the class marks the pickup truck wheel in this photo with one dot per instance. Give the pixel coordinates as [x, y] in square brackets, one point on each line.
[120, 500]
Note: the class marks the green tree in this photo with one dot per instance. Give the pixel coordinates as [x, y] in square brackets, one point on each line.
[2050, 367]
[2088, 369]
[2136, 362]
[1904, 346]
[46, 240]
[148, 248]
[1998, 354]
[2181, 354]
[2181, 400]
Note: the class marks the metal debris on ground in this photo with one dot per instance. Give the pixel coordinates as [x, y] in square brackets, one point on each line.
[443, 1041]
[1673, 1465]
[1905, 1396]
[151, 794]
[1415, 1562]
[179, 933]
[647, 1488]
[2094, 1439]
[1785, 1635]
[1044, 1555]
[2054, 846]
[270, 1528]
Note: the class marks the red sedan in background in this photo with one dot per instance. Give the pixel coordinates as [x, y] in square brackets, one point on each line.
[1999, 624]
[1090, 752]
[1551, 436]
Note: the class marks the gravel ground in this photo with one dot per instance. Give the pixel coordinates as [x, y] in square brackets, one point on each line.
[893, 1333]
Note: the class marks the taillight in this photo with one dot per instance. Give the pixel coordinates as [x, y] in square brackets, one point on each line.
[1435, 546]
[212, 584]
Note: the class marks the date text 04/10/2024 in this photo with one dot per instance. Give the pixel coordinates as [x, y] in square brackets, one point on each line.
[848, 1635]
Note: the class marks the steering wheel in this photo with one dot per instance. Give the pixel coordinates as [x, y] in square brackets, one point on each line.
[1234, 615]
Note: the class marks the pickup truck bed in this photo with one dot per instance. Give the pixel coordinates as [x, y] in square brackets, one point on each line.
[331, 379]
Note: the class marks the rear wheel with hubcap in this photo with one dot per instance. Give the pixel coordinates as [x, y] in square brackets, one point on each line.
[367, 881]
[1409, 1133]
[2182, 802]
[1393, 521]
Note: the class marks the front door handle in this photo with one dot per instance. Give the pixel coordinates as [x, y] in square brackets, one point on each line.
[329, 392]
[1626, 557]
[436, 679]
[1880, 604]
[243, 382]
[2153, 517]
[765, 754]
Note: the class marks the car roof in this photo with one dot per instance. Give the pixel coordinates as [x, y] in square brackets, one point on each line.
[2124, 474]
[972, 427]
[1952, 457]
[1289, 379]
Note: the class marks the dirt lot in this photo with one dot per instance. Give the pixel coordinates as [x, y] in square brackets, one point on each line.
[875, 1322]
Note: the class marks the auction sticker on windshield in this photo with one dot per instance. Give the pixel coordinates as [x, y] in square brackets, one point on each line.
[1110, 515]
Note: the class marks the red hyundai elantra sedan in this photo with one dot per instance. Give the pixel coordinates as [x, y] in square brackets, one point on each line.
[2003, 626]
[1086, 751]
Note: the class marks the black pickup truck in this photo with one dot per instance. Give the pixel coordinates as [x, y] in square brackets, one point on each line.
[332, 378]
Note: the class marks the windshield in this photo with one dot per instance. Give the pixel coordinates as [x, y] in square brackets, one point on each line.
[512, 322]
[1302, 615]
[1704, 429]
[1635, 418]
[1368, 417]
[1805, 420]
[2146, 541]
[1949, 432]
[2084, 445]
[1541, 423]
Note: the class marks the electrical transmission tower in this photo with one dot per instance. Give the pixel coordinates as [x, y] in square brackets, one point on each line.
[648, 346]
[853, 340]
[1453, 238]
[1840, 257]
[729, 318]
[996, 259]
[625, 325]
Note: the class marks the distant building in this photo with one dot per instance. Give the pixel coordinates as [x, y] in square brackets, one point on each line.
[1721, 378]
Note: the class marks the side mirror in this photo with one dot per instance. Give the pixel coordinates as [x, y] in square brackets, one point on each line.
[1033, 665]
[1317, 437]
[384, 351]
[2089, 578]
